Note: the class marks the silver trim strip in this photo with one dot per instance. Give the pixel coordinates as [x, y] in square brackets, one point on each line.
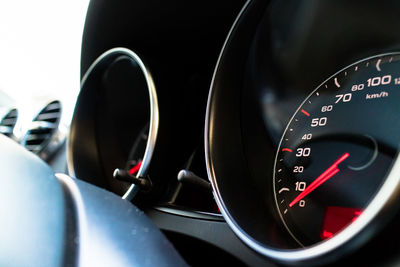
[82, 228]
[154, 112]
[200, 215]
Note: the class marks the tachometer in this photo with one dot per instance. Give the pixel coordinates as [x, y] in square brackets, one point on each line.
[338, 148]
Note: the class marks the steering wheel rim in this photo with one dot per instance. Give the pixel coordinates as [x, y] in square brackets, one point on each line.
[56, 220]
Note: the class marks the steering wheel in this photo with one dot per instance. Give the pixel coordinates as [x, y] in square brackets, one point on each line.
[56, 220]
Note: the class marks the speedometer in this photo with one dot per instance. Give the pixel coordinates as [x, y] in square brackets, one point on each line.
[338, 148]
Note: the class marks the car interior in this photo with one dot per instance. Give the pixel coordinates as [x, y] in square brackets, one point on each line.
[235, 133]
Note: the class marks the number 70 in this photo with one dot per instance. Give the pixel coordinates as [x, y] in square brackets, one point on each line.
[343, 97]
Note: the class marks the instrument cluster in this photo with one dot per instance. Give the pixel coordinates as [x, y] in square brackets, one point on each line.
[298, 154]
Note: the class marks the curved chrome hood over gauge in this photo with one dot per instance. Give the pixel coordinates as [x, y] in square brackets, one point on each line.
[304, 175]
[117, 103]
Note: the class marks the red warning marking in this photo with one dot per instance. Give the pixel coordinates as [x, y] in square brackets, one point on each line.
[305, 112]
[287, 149]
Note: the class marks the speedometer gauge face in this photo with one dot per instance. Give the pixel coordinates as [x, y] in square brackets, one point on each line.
[338, 148]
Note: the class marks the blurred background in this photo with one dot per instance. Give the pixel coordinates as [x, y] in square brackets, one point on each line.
[40, 45]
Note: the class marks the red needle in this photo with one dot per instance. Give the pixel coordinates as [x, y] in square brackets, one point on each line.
[325, 176]
[135, 168]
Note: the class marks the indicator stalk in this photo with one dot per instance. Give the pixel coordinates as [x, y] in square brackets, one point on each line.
[188, 177]
[124, 175]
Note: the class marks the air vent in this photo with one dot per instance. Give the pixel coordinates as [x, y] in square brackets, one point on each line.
[8, 122]
[43, 129]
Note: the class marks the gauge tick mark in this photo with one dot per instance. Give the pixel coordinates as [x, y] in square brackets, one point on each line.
[283, 190]
[378, 63]
[337, 83]
[305, 113]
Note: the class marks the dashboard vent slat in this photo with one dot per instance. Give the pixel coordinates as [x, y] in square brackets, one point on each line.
[52, 117]
[44, 126]
[8, 122]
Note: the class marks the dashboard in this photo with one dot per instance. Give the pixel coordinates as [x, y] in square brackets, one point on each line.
[257, 133]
